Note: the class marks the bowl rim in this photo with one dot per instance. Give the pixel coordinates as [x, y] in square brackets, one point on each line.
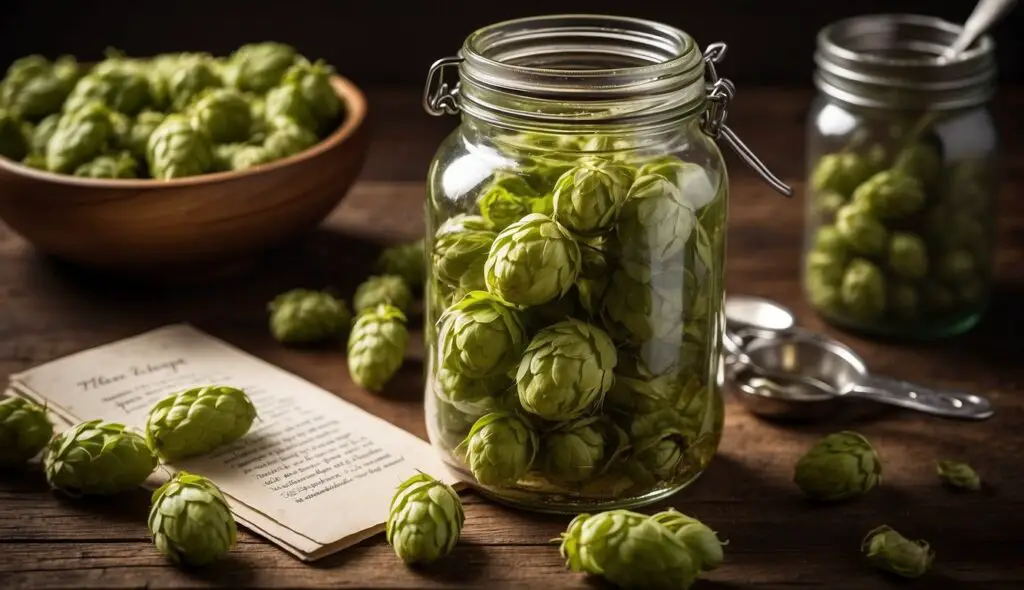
[355, 113]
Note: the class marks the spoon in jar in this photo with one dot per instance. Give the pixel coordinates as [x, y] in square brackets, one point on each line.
[781, 371]
[986, 13]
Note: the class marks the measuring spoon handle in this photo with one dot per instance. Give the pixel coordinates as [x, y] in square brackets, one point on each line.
[947, 403]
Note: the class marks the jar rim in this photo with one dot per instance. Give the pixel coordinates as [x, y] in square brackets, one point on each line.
[891, 61]
[593, 67]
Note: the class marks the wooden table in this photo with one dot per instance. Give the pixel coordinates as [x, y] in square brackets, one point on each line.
[777, 540]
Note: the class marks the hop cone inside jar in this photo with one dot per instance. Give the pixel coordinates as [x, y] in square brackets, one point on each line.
[579, 450]
[198, 420]
[566, 369]
[588, 197]
[702, 542]
[890, 194]
[500, 449]
[190, 521]
[425, 520]
[376, 346]
[532, 261]
[840, 173]
[630, 550]
[840, 466]
[480, 336]
[386, 289]
[461, 246]
[691, 178]
[655, 222]
[638, 310]
[24, 430]
[474, 396]
[97, 457]
[506, 199]
[303, 316]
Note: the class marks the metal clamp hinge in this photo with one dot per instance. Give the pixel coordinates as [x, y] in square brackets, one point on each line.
[720, 93]
[438, 97]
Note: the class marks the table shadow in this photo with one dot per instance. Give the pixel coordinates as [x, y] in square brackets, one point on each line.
[130, 507]
[232, 572]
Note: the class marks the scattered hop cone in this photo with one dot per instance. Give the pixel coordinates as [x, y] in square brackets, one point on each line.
[566, 370]
[863, 289]
[630, 550]
[303, 316]
[24, 430]
[691, 178]
[376, 346]
[890, 551]
[588, 197]
[176, 149]
[258, 67]
[425, 520]
[840, 466]
[840, 173]
[861, 230]
[702, 542]
[958, 475]
[500, 449]
[223, 114]
[890, 195]
[97, 457]
[198, 420]
[190, 521]
[532, 261]
[461, 245]
[389, 289]
[405, 260]
[480, 336]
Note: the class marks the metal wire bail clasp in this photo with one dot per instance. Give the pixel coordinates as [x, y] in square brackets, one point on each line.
[720, 92]
[439, 98]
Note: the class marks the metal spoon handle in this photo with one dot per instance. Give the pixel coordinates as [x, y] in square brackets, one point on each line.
[947, 403]
[985, 14]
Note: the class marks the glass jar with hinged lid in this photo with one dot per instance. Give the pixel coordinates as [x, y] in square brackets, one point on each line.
[576, 233]
[902, 183]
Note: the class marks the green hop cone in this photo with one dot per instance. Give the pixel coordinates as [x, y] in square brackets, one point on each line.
[314, 83]
[480, 336]
[830, 240]
[14, 144]
[37, 161]
[655, 223]
[828, 203]
[190, 521]
[189, 79]
[303, 316]
[500, 449]
[863, 289]
[24, 430]
[566, 370]
[577, 451]
[890, 195]
[119, 165]
[34, 88]
[507, 199]
[958, 475]
[630, 550]
[258, 67]
[908, 255]
[461, 246]
[390, 289]
[287, 138]
[287, 101]
[222, 113]
[635, 390]
[425, 520]
[142, 128]
[470, 395]
[691, 178]
[80, 136]
[703, 543]
[840, 173]
[97, 457]
[532, 261]
[840, 466]
[922, 161]
[587, 198]
[198, 420]
[638, 310]
[891, 552]
[376, 346]
[405, 260]
[862, 232]
[660, 457]
[42, 133]
[176, 149]
[239, 156]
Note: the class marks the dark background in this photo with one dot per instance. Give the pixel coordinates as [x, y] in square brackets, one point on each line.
[378, 42]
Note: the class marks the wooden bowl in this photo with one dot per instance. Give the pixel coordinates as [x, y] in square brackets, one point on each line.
[187, 228]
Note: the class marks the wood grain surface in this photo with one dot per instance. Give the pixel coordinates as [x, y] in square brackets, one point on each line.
[776, 538]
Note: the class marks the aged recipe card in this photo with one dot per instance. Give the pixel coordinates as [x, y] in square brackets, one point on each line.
[315, 474]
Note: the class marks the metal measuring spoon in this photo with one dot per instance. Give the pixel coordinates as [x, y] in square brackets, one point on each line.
[778, 370]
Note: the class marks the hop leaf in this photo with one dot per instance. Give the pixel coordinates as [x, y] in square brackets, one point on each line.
[702, 542]
[198, 420]
[588, 197]
[223, 114]
[840, 466]
[461, 246]
[566, 370]
[24, 430]
[190, 521]
[500, 449]
[376, 346]
[304, 316]
[258, 67]
[890, 551]
[479, 336]
[958, 475]
[389, 289]
[97, 457]
[425, 520]
[405, 260]
[176, 149]
[532, 261]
